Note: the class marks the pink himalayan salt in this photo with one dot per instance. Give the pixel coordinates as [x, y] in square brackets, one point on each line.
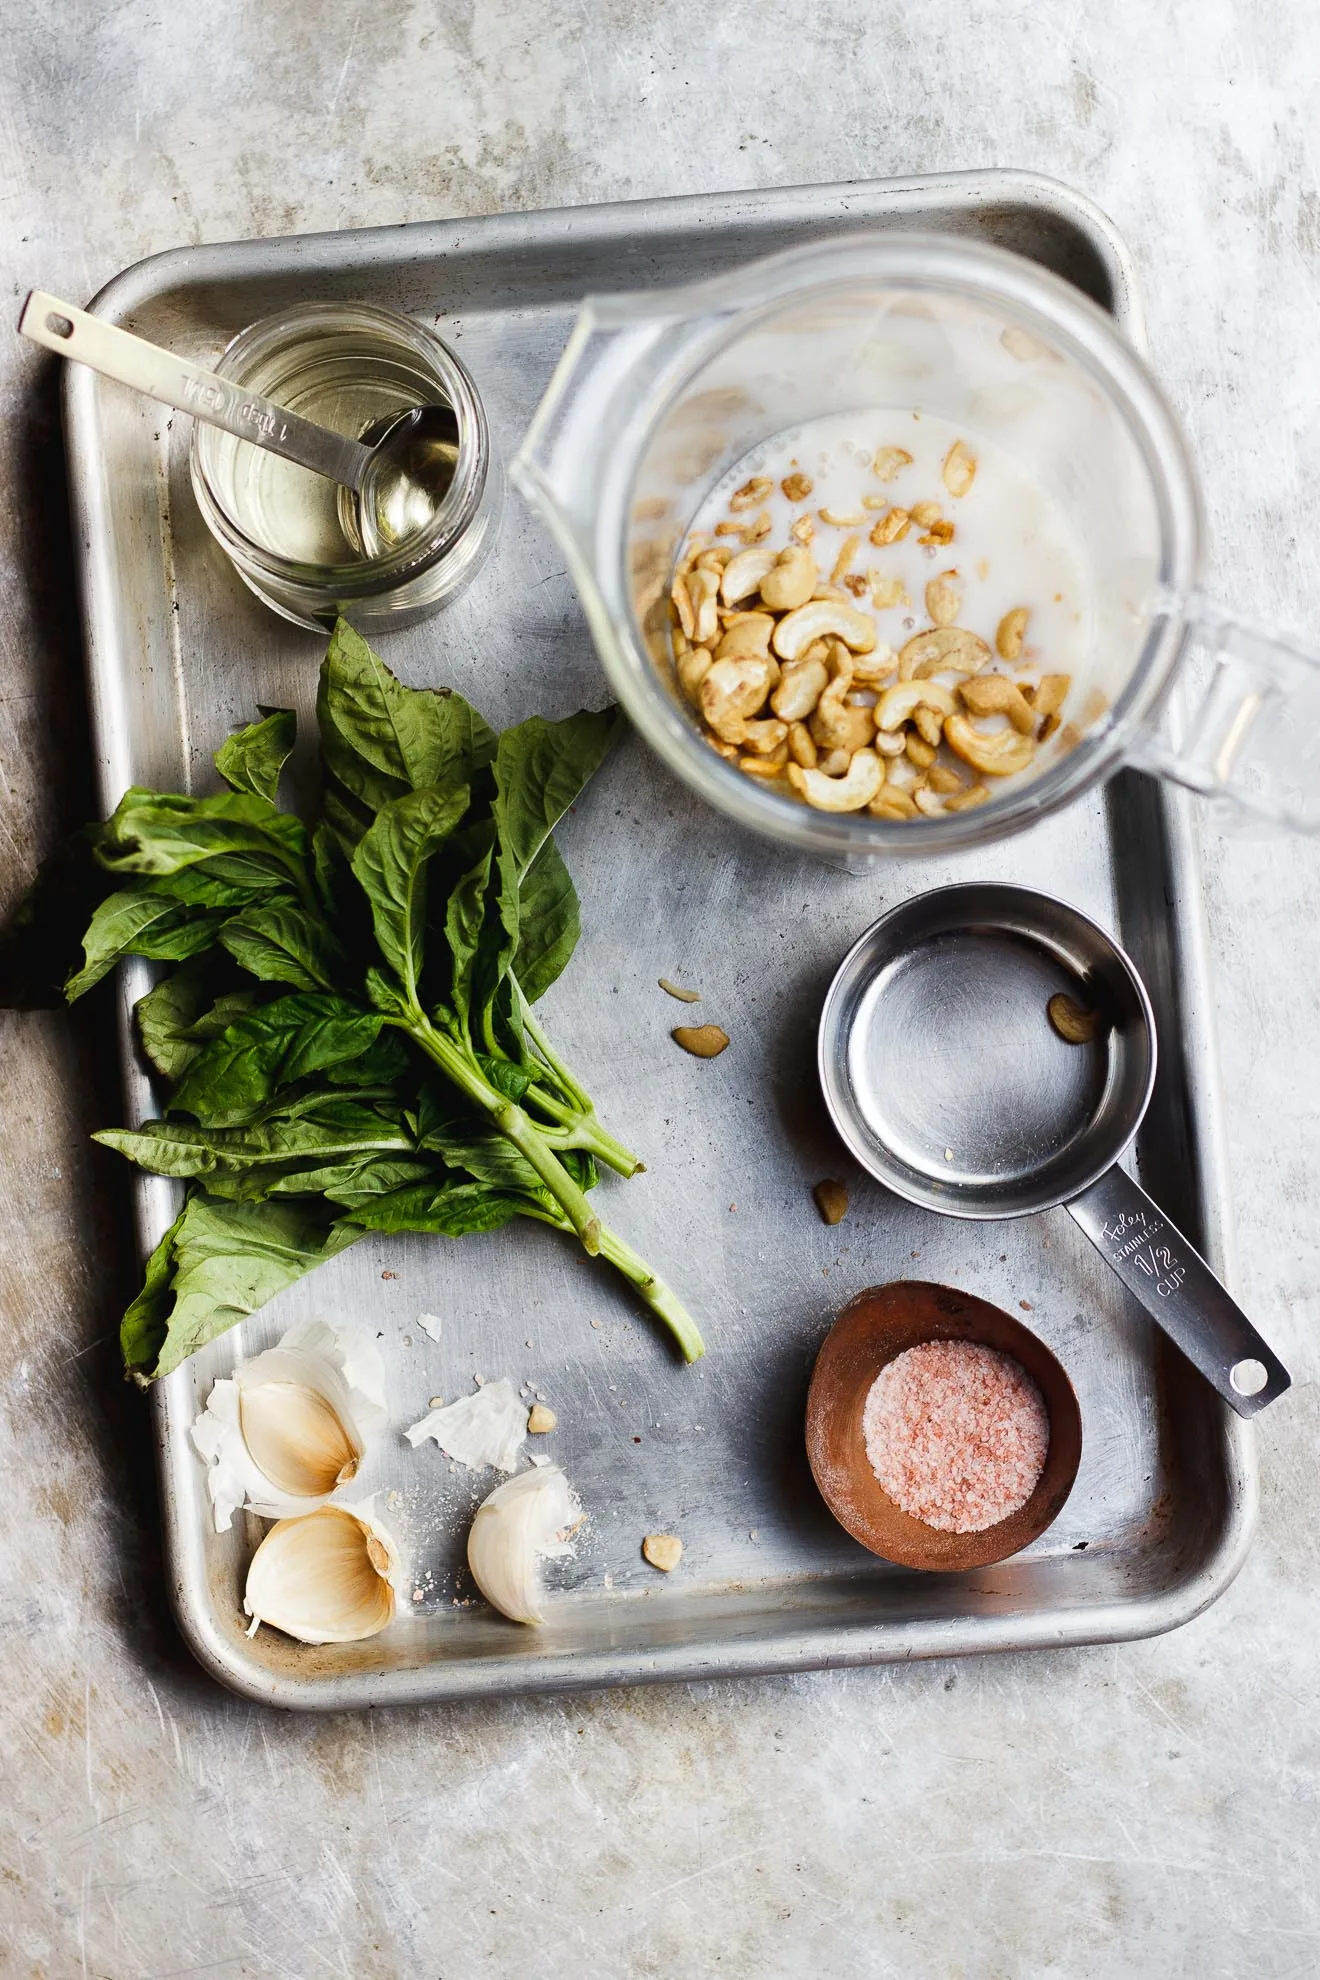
[956, 1433]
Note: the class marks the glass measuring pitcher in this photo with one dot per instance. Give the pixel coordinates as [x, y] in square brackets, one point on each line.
[660, 396]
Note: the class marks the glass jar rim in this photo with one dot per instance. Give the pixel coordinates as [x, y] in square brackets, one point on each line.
[1060, 313]
[364, 577]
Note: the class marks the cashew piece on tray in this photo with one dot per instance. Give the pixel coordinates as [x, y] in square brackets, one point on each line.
[823, 618]
[733, 690]
[945, 649]
[999, 755]
[850, 793]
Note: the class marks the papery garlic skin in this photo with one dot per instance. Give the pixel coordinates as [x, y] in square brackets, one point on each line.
[525, 1521]
[289, 1428]
[485, 1429]
[330, 1576]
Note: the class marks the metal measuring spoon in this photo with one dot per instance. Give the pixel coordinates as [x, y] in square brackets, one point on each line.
[944, 1077]
[395, 478]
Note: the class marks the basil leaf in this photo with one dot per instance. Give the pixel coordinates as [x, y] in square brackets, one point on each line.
[449, 1209]
[252, 758]
[549, 922]
[242, 839]
[380, 738]
[145, 1323]
[465, 918]
[285, 1041]
[165, 1017]
[390, 863]
[228, 1259]
[540, 767]
[282, 943]
[334, 1128]
[486, 1155]
[139, 922]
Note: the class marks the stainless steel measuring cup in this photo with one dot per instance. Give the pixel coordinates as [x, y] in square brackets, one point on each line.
[945, 1077]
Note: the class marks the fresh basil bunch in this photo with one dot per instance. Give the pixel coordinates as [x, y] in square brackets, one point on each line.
[347, 1041]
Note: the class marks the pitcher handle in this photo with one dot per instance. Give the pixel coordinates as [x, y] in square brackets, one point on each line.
[1253, 735]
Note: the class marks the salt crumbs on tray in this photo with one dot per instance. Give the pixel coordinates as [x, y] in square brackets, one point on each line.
[957, 1434]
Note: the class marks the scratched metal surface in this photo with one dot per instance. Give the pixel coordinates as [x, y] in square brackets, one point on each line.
[178, 653]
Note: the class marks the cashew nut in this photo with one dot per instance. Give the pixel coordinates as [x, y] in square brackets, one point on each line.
[892, 527]
[834, 725]
[959, 469]
[1000, 755]
[944, 780]
[834, 763]
[714, 560]
[743, 574]
[893, 804]
[731, 691]
[898, 703]
[948, 649]
[929, 725]
[764, 738]
[870, 669]
[797, 487]
[926, 513]
[821, 619]
[692, 668]
[995, 694]
[751, 493]
[800, 687]
[943, 599]
[790, 580]
[765, 766]
[1012, 631]
[902, 775]
[843, 562]
[851, 793]
[801, 747]
[703, 589]
[1051, 694]
[927, 802]
[749, 633]
[1075, 1023]
[889, 742]
[678, 592]
[919, 751]
[967, 800]
[890, 461]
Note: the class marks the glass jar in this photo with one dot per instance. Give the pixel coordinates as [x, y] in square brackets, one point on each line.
[344, 365]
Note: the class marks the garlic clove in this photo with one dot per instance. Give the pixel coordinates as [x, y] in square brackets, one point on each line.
[329, 1576]
[298, 1439]
[524, 1521]
[290, 1426]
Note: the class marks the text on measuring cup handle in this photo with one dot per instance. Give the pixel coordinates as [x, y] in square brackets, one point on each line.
[214, 397]
[1141, 1241]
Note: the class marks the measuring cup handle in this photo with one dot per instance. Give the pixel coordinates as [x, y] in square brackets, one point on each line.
[1179, 1291]
[1252, 735]
[177, 381]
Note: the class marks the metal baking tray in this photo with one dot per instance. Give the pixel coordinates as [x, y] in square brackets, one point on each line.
[178, 652]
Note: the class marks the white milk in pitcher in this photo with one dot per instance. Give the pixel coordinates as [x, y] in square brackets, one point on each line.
[944, 562]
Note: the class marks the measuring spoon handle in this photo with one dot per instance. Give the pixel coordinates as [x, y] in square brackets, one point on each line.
[191, 388]
[1179, 1291]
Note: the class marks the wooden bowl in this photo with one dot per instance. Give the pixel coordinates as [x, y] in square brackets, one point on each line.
[879, 1324]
